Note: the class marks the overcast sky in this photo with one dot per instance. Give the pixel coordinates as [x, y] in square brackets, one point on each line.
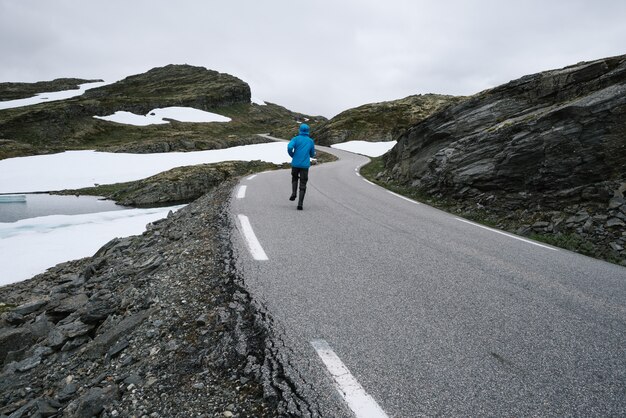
[316, 57]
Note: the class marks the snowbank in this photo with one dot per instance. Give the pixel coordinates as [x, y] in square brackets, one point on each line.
[157, 116]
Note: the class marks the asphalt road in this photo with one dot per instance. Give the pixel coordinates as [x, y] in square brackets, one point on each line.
[432, 315]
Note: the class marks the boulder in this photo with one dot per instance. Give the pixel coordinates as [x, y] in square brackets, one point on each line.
[13, 339]
[615, 222]
[30, 307]
[94, 401]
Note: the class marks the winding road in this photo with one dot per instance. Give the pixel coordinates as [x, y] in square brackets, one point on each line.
[410, 311]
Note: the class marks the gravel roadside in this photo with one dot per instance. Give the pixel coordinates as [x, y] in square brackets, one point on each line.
[157, 325]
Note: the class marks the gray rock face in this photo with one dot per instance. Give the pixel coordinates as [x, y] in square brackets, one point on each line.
[557, 135]
[545, 154]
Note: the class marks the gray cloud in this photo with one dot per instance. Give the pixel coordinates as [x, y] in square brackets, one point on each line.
[317, 57]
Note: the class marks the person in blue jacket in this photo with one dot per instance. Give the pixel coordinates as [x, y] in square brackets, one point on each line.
[301, 148]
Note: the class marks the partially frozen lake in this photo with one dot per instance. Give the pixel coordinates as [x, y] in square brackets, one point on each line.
[37, 205]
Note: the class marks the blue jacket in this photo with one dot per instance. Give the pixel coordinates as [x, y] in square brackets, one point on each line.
[301, 148]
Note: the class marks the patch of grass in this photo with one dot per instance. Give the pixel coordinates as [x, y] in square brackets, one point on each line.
[324, 157]
[371, 169]
[6, 307]
[104, 190]
[376, 165]
[569, 241]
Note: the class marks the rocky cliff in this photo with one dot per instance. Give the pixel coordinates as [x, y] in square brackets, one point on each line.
[380, 121]
[552, 145]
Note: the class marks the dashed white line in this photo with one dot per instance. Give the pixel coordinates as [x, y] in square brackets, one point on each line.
[402, 197]
[251, 177]
[362, 404]
[508, 235]
[241, 192]
[252, 242]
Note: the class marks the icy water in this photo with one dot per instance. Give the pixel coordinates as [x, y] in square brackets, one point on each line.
[45, 204]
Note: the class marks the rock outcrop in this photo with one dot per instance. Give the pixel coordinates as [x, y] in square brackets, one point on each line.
[172, 85]
[70, 124]
[175, 186]
[549, 142]
[380, 121]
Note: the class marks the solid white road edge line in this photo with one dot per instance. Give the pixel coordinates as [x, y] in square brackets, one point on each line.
[251, 177]
[402, 197]
[362, 404]
[253, 243]
[508, 235]
[241, 192]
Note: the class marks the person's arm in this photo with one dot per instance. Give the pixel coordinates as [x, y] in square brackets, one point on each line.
[290, 147]
[312, 153]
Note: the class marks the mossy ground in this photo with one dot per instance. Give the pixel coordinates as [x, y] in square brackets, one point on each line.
[5, 307]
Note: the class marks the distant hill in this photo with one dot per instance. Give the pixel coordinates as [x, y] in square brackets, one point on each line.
[380, 121]
[544, 154]
[69, 124]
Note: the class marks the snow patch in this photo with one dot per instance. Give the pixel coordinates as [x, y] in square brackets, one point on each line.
[370, 149]
[52, 96]
[157, 116]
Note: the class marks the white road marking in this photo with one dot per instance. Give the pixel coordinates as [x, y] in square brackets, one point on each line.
[251, 240]
[362, 404]
[241, 192]
[358, 174]
[370, 182]
[402, 197]
[508, 235]
[251, 177]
